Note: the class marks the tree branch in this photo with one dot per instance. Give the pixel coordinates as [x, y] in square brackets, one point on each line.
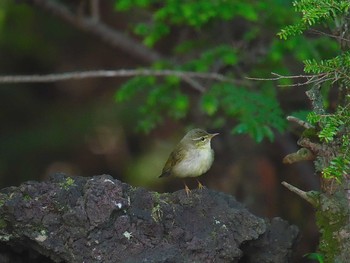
[186, 76]
[95, 10]
[307, 196]
[309, 79]
[302, 123]
[318, 32]
[302, 154]
[100, 30]
[316, 148]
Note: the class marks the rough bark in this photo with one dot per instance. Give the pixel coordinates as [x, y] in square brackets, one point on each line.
[332, 201]
[101, 219]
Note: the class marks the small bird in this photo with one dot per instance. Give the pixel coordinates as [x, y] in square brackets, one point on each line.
[192, 157]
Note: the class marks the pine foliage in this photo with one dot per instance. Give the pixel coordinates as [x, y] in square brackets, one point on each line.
[315, 12]
[333, 128]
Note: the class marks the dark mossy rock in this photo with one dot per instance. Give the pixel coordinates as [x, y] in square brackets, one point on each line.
[100, 219]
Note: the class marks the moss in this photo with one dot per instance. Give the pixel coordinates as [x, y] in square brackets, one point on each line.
[67, 183]
[3, 223]
[310, 133]
[156, 196]
[27, 197]
[157, 213]
[3, 199]
[331, 217]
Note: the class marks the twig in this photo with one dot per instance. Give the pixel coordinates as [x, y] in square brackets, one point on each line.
[316, 148]
[95, 10]
[318, 32]
[186, 76]
[302, 123]
[112, 73]
[278, 77]
[304, 195]
[195, 84]
[310, 79]
[302, 154]
[97, 28]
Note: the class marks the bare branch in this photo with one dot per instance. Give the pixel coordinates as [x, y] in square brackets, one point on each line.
[302, 123]
[316, 148]
[318, 32]
[186, 76]
[195, 84]
[302, 154]
[278, 77]
[304, 195]
[95, 10]
[104, 32]
[309, 79]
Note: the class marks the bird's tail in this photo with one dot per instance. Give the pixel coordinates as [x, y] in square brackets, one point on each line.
[164, 174]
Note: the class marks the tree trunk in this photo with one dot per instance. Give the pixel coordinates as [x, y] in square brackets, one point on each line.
[332, 201]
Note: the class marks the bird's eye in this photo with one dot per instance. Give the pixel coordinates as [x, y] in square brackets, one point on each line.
[202, 139]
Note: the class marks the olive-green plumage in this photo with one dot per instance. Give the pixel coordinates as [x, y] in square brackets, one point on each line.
[192, 157]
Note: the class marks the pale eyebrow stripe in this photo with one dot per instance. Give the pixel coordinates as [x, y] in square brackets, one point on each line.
[197, 139]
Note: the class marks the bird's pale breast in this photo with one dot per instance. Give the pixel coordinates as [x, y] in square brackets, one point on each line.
[196, 163]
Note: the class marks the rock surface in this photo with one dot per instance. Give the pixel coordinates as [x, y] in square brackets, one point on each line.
[100, 219]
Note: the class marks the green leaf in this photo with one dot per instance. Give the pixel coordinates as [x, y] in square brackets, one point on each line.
[247, 11]
[230, 58]
[267, 131]
[142, 29]
[313, 118]
[240, 128]
[258, 114]
[131, 87]
[123, 5]
[173, 80]
[181, 104]
[209, 104]
[153, 33]
[315, 256]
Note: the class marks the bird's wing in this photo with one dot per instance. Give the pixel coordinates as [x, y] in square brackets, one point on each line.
[174, 158]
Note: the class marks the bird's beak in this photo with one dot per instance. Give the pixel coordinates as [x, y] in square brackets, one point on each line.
[213, 135]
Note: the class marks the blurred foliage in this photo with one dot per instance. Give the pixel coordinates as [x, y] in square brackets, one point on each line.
[315, 256]
[250, 107]
[194, 14]
[19, 34]
[261, 105]
[36, 125]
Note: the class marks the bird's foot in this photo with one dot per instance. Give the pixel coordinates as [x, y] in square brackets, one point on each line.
[187, 190]
[200, 186]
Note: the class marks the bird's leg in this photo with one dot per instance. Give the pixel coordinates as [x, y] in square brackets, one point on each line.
[187, 190]
[200, 186]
